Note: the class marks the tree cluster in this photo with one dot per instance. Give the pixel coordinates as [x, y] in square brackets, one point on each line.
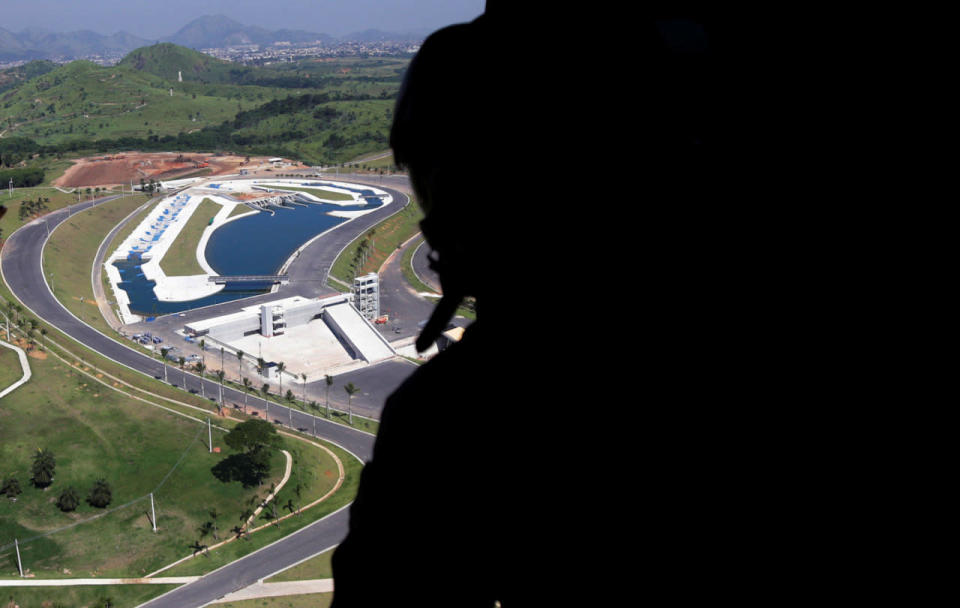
[254, 442]
[22, 178]
[42, 473]
[30, 208]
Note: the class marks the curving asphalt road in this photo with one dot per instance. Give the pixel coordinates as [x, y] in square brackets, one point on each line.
[21, 268]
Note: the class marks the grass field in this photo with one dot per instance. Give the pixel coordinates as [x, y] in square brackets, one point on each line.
[181, 257]
[96, 432]
[314, 600]
[388, 236]
[119, 596]
[68, 256]
[318, 192]
[12, 219]
[316, 567]
[10, 370]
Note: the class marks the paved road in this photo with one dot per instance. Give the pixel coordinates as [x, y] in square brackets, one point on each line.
[21, 269]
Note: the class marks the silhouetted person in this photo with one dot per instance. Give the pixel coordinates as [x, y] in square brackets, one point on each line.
[489, 455]
[446, 514]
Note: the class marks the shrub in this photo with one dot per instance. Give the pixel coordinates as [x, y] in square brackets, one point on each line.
[10, 488]
[68, 500]
[100, 494]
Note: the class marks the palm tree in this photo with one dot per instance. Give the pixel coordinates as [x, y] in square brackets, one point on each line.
[214, 514]
[329, 380]
[351, 390]
[240, 364]
[44, 465]
[246, 389]
[200, 367]
[280, 367]
[266, 391]
[163, 355]
[183, 375]
[220, 374]
[304, 394]
[205, 529]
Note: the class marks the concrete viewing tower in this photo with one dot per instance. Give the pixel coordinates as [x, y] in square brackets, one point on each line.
[366, 295]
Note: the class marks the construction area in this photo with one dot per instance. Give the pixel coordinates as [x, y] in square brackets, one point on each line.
[128, 168]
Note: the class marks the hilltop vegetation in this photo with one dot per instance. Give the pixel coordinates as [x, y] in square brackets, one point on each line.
[12, 77]
[317, 111]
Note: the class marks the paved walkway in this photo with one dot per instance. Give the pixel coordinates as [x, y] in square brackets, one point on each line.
[257, 590]
[69, 582]
[24, 365]
[261, 589]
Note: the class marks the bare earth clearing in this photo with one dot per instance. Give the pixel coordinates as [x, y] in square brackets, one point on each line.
[127, 167]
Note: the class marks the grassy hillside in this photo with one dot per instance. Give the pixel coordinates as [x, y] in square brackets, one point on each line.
[318, 111]
[12, 77]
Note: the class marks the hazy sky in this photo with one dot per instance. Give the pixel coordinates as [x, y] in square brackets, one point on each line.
[158, 18]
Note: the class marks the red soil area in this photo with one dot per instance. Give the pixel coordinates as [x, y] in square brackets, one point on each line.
[117, 169]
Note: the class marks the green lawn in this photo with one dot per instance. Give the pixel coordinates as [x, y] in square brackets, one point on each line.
[240, 210]
[10, 370]
[303, 454]
[316, 567]
[96, 432]
[318, 192]
[388, 236]
[13, 220]
[181, 257]
[68, 256]
[313, 600]
[120, 596]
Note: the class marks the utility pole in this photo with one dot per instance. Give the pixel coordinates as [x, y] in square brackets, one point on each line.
[209, 436]
[19, 564]
[153, 513]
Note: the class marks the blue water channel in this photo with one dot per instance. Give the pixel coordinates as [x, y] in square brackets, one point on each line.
[254, 244]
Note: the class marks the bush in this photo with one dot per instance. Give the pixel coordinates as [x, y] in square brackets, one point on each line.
[10, 488]
[100, 494]
[68, 500]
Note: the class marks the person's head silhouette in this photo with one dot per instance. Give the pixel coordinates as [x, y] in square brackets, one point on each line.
[457, 113]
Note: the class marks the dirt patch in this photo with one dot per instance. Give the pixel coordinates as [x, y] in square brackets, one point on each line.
[37, 354]
[119, 169]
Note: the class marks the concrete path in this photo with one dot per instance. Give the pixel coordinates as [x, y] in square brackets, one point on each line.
[261, 589]
[69, 582]
[24, 365]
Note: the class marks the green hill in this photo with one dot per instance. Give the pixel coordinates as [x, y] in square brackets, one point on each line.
[168, 60]
[12, 77]
[316, 111]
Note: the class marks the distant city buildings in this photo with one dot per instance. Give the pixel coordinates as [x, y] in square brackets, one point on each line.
[279, 52]
[286, 51]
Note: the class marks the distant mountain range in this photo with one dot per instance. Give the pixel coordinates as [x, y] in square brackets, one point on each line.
[216, 31]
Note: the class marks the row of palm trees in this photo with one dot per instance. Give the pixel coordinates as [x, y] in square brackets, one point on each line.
[201, 367]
